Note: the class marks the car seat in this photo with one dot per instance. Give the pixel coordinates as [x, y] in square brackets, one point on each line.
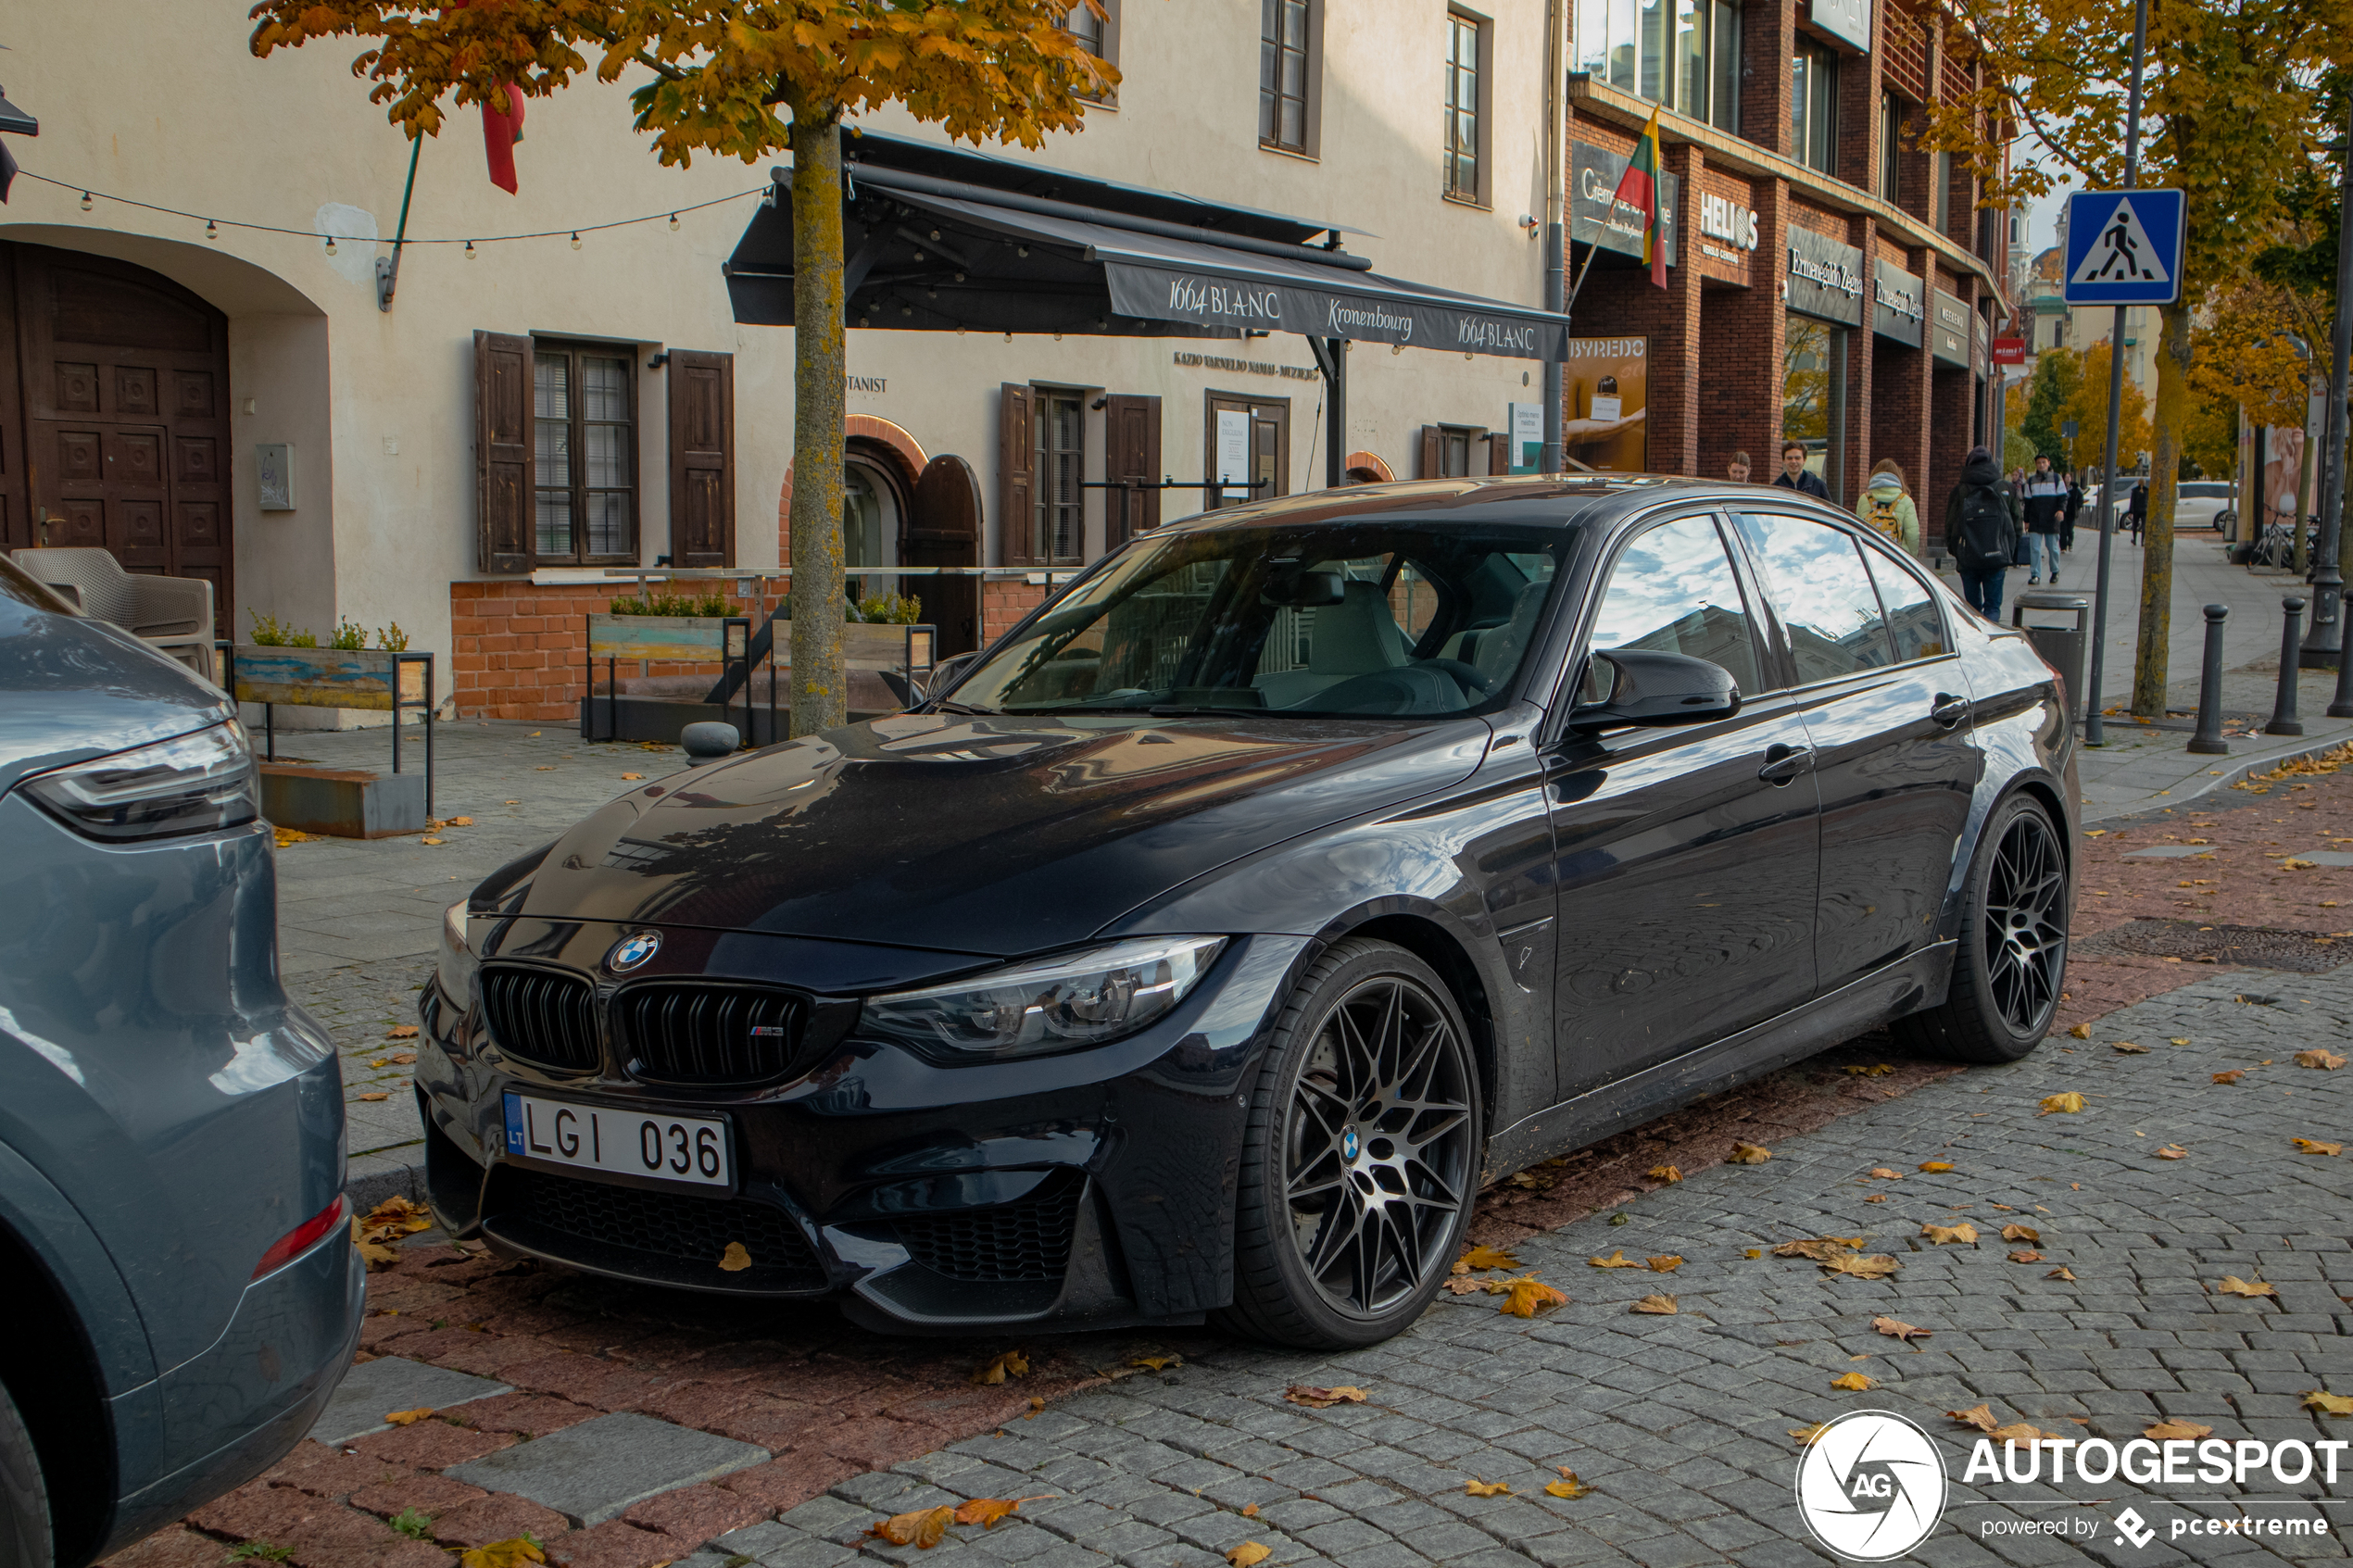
[1356, 636]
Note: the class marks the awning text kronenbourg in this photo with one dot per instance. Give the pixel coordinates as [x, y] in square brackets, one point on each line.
[1281, 305]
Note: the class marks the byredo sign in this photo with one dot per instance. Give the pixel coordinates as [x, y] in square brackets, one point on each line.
[1896, 300]
[1825, 278]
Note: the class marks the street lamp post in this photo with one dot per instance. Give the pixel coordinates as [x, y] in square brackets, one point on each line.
[2322, 646]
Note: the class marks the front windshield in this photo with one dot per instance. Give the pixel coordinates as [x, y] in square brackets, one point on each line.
[1371, 618]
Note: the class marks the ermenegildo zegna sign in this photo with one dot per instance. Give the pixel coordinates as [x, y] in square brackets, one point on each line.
[1593, 174]
[1286, 303]
[1825, 277]
[1897, 299]
[1948, 333]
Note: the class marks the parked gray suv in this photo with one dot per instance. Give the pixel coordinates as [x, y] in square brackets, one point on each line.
[181, 1293]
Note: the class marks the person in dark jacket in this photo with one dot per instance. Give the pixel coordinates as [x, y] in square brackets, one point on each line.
[2137, 513]
[1982, 523]
[2069, 509]
[1796, 475]
[2046, 496]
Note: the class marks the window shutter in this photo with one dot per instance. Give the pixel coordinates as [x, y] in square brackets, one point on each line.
[1499, 451]
[1016, 476]
[1432, 465]
[702, 458]
[1131, 452]
[502, 453]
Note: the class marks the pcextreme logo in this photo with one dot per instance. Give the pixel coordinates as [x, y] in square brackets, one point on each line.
[1870, 1486]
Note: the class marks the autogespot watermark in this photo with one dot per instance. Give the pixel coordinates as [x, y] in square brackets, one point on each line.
[1872, 1484]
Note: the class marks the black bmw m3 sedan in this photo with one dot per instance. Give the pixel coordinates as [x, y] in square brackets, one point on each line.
[1201, 949]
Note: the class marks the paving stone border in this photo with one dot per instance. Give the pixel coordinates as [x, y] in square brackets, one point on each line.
[393, 1383]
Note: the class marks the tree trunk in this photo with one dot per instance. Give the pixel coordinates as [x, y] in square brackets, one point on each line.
[820, 685]
[2156, 556]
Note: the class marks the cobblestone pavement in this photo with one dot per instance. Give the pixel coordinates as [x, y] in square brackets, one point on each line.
[1680, 1424]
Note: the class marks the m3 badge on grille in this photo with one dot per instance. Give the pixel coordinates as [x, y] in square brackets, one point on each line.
[630, 952]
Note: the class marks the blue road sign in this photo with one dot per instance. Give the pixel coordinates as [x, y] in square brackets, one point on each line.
[2124, 247]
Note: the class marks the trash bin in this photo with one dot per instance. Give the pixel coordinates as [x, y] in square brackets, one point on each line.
[2063, 645]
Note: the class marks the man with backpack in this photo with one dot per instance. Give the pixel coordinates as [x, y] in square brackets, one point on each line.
[2046, 496]
[1983, 518]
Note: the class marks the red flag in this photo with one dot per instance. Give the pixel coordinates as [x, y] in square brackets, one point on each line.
[500, 132]
[1639, 188]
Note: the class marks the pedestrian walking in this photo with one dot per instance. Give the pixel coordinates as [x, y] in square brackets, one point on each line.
[2136, 512]
[2044, 495]
[1982, 520]
[1886, 506]
[1796, 475]
[1737, 470]
[2070, 510]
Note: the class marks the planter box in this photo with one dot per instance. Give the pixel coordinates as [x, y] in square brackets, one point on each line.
[344, 802]
[327, 677]
[696, 639]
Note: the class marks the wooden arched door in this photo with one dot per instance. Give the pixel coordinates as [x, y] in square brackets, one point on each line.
[943, 529]
[121, 440]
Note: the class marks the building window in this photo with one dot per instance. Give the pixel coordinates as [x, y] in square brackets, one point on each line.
[584, 465]
[1465, 35]
[1249, 449]
[1942, 213]
[1059, 516]
[1890, 147]
[1286, 65]
[1685, 54]
[1814, 395]
[1813, 97]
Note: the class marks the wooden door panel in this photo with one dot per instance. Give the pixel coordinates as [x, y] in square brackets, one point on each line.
[198, 527]
[135, 392]
[136, 535]
[195, 459]
[134, 457]
[84, 524]
[79, 465]
[192, 394]
[77, 388]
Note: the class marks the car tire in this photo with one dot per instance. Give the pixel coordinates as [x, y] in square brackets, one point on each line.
[24, 1501]
[1360, 1158]
[2012, 958]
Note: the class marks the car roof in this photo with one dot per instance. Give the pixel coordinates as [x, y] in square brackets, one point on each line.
[1585, 499]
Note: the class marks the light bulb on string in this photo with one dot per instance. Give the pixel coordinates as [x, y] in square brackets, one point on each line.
[470, 250]
[575, 239]
[86, 201]
[673, 222]
[211, 230]
[331, 245]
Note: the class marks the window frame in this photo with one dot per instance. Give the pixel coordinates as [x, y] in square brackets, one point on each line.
[1719, 23]
[577, 422]
[1784, 655]
[1773, 669]
[1042, 502]
[1872, 541]
[1311, 97]
[1891, 147]
[1820, 61]
[1482, 31]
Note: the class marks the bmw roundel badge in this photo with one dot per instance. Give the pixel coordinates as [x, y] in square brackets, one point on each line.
[630, 952]
[1348, 1144]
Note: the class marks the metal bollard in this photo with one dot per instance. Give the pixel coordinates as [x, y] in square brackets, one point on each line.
[2209, 741]
[2284, 719]
[2343, 707]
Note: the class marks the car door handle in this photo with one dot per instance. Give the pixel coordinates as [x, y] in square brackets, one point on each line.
[1949, 710]
[1783, 763]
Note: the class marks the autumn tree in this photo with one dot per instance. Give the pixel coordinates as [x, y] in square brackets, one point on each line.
[718, 77]
[2058, 372]
[2232, 115]
[2087, 405]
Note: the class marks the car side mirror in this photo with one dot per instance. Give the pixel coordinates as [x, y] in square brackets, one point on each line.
[1642, 686]
[941, 676]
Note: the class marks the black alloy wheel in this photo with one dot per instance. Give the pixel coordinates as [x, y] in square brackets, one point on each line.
[24, 1501]
[1362, 1159]
[2011, 965]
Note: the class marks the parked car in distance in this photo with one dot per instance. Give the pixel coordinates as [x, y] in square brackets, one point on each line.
[1200, 948]
[2200, 503]
[182, 1292]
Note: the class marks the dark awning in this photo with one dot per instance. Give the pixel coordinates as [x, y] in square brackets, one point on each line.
[927, 253]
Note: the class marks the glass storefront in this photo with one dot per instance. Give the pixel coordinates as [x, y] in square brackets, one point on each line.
[1814, 394]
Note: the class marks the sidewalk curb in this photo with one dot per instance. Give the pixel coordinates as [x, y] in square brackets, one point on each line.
[386, 1175]
[2235, 770]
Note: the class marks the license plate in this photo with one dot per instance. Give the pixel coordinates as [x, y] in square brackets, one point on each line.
[691, 1150]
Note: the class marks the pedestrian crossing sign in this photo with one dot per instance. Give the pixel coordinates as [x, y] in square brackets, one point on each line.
[2124, 247]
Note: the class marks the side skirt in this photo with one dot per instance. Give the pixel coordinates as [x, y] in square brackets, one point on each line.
[1913, 982]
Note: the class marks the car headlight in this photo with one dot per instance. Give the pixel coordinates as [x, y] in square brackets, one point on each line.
[192, 784]
[1052, 1004]
[456, 967]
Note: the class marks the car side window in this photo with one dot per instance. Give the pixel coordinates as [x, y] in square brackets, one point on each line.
[1912, 615]
[1816, 575]
[1673, 590]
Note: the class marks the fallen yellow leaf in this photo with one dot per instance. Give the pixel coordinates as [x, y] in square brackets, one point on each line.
[1617, 1260]
[1462, 1285]
[1807, 1434]
[1936, 1165]
[1485, 1258]
[1525, 1297]
[633, 775]
[461, 821]
[1962, 1234]
[402, 1031]
[2080, 1032]
[1249, 1552]
[2127, 1047]
[377, 1096]
[1324, 1398]
[2329, 1404]
[429, 839]
[1885, 1173]
[513, 1553]
[986, 1512]
[2231, 1078]
[1896, 1328]
[2167, 1431]
[1013, 1363]
[1250, 1511]
[2172, 1151]
[1754, 1252]
[1667, 1173]
[1567, 1486]
[2062, 1272]
[1978, 1416]
[1662, 1305]
[1853, 1382]
[1878, 1069]
[1665, 1265]
[1749, 1154]
[1821, 1248]
[1036, 1405]
[1158, 1363]
[2326, 1060]
[735, 1260]
[923, 1528]
[1875, 1198]
[407, 1418]
[2233, 1285]
[2317, 1145]
[2021, 1431]
[2069, 1103]
[2023, 1232]
[1487, 1488]
[2026, 1255]
[1878, 1266]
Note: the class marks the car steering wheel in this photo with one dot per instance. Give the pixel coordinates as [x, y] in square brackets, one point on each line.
[1468, 675]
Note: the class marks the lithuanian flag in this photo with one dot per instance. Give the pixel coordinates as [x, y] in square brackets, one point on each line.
[1639, 188]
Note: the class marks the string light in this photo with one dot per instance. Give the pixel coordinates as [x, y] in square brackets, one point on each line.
[86, 203]
[331, 245]
[575, 239]
[470, 250]
[211, 230]
[673, 222]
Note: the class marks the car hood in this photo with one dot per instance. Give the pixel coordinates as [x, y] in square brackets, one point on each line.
[993, 836]
[72, 688]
